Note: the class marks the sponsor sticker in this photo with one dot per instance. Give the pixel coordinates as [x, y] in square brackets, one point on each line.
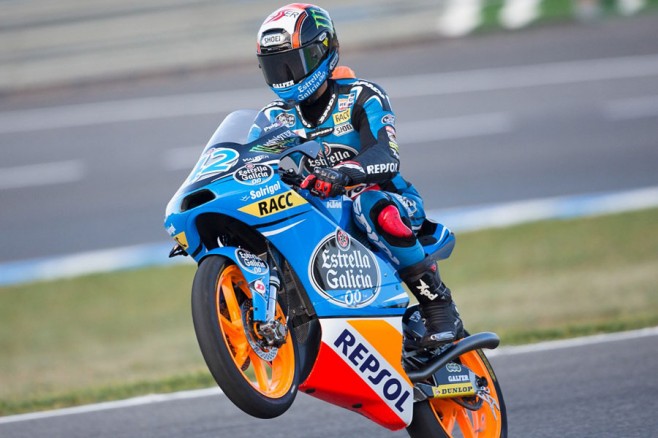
[286, 119]
[272, 39]
[454, 367]
[343, 129]
[250, 262]
[252, 174]
[283, 84]
[388, 119]
[345, 271]
[343, 116]
[382, 168]
[453, 390]
[255, 159]
[346, 101]
[313, 82]
[181, 239]
[264, 191]
[375, 370]
[273, 204]
[332, 154]
[258, 286]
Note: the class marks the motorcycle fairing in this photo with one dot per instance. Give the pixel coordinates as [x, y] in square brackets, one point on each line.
[255, 271]
[240, 183]
[358, 368]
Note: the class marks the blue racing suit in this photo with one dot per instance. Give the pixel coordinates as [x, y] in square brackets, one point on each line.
[356, 126]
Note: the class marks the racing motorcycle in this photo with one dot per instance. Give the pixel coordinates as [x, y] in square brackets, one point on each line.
[289, 296]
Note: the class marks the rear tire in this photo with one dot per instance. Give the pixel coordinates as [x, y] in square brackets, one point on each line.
[445, 418]
[261, 387]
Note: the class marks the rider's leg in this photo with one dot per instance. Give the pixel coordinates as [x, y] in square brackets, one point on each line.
[385, 218]
[435, 299]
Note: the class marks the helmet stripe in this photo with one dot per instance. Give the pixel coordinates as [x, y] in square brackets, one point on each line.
[297, 35]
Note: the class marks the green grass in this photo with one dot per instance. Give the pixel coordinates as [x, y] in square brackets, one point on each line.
[554, 11]
[112, 336]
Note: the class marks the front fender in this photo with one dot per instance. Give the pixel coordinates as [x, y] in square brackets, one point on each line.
[225, 251]
[255, 271]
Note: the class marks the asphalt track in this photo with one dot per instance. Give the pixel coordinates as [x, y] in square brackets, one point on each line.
[600, 387]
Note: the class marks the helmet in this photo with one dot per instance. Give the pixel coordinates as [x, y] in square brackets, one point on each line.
[297, 50]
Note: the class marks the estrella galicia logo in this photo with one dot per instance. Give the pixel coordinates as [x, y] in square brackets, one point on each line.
[332, 154]
[345, 271]
[252, 174]
[250, 262]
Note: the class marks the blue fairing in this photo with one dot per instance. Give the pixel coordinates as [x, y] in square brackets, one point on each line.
[236, 182]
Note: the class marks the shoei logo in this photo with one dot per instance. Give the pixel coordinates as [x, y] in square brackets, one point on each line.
[274, 204]
[272, 40]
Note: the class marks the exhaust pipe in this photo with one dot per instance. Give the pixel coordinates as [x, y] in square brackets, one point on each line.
[474, 342]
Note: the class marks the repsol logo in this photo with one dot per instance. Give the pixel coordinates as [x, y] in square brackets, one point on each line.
[382, 168]
[273, 204]
[385, 383]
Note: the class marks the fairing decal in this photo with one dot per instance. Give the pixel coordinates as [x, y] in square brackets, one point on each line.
[358, 368]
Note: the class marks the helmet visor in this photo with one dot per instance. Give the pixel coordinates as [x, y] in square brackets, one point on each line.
[283, 69]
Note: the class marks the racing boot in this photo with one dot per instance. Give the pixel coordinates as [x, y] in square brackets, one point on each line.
[442, 320]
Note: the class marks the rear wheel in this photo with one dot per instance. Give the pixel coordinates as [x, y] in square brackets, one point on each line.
[259, 379]
[481, 416]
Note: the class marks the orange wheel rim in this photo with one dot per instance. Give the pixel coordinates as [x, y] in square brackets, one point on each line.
[271, 378]
[486, 422]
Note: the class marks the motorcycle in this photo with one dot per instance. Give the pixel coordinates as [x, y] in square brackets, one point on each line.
[289, 296]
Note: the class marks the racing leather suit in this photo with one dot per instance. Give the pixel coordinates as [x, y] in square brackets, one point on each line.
[356, 126]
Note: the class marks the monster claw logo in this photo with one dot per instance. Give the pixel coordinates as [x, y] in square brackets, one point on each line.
[321, 20]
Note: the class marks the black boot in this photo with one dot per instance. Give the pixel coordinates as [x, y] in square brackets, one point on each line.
[436, 306]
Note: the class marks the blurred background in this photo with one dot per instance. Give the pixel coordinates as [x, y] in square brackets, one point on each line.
[508, 111]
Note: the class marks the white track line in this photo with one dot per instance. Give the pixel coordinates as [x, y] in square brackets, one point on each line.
[446, 83]
[186, 395]
[458, 219]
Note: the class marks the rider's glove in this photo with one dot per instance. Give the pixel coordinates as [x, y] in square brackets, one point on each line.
[326, 182]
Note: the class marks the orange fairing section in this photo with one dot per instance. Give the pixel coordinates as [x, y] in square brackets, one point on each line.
[359, 368]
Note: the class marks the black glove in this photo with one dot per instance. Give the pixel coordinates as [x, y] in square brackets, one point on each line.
[326, 182]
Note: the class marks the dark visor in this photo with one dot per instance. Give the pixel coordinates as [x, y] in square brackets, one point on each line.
[294, 65]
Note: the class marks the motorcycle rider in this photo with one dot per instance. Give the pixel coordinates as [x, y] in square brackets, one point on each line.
[297, 51]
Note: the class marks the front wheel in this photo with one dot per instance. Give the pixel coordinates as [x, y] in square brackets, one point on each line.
[260, 380]
[482, 416]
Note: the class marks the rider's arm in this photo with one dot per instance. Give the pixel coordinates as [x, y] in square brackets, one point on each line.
[378, 160]
[265, 119]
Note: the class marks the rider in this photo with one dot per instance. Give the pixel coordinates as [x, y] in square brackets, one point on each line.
[297, 51]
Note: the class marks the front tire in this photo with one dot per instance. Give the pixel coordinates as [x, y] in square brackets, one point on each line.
[448, 418]
[262, 383]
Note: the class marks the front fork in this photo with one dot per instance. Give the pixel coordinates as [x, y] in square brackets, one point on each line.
[270, 329]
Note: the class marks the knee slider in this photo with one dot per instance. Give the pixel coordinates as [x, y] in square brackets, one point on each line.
[391, 225]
